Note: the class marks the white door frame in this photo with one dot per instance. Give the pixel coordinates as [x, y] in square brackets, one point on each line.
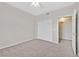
[58, 40]
[74, 32]
[74, 39]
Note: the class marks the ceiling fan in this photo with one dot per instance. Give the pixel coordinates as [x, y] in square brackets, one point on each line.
[35, 4]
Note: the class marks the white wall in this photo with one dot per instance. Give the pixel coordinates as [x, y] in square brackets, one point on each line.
[54, 17]
[45, 30]
[67, 30]
[16, 26]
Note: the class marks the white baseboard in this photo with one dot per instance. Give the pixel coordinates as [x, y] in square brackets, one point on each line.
[15, 43]
[49, 41]
[66, 39]
[25, 41]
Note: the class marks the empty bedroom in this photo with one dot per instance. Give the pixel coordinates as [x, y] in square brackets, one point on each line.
[39, 29]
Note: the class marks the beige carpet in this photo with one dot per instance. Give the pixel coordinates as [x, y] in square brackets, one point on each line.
[39, 48]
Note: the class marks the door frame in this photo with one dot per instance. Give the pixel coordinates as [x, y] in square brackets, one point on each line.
[58, 38]
[75, 17]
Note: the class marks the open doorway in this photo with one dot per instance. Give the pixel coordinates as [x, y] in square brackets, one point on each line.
[65, 28]
[63, 31]
[61, 28]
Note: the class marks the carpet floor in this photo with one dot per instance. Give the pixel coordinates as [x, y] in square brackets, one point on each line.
[39, 48]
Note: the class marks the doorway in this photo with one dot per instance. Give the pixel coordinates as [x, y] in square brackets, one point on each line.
[74, 30]
[65, 28]
[61, 28]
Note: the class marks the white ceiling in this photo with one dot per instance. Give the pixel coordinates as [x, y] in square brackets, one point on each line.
[44, 6]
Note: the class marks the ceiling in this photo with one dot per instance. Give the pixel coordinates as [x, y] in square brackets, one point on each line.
[44, 6]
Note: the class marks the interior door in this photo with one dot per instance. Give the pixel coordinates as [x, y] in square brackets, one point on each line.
[74, 32]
